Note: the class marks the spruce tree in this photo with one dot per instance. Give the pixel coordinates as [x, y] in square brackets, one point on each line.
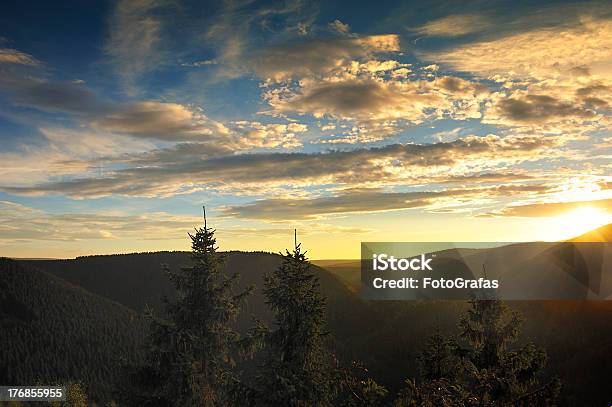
[297, 369]
[498, 374]
[438, 360]
[487, 370]
[190, 358]
[355, 387]
[440, 371]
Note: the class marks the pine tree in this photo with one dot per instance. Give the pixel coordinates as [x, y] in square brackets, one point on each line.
[297, 369]
[440, 369]
[434, 393]
[496, 373]
[357, 389]
[190, 359]
[487, 371]
[438, 360]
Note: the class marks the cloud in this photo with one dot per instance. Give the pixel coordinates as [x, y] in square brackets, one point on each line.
[158, 120]
[549, 209]
[198, 64]
[135, 38]
[340, 27]
[147, 119]
[313, 208]
[353, 99]
[454, 26]
[526, 109]
[541, 53]
[364, 201]
[553, 70]
[410, 163]
[317, 57]
[309, 228]
[37, 225]
[365, 131]
[233, 31]
[379, 97]
[144, 119]
[375, 99]
[65, 153]
[54, 96]
[258, 135]
[13, 56]
[374, 66]
[459, 86]
[488, 177]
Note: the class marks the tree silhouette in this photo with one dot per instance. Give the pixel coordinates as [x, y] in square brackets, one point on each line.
[497, 373]
[355, 387]
[190, 356]
[438, 360]
[297, 368]
[486, 370]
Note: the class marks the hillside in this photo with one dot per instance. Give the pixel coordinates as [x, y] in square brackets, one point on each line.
[53, 331]
[135, 280]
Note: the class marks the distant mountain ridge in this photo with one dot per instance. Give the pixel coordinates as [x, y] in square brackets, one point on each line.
[496, 258]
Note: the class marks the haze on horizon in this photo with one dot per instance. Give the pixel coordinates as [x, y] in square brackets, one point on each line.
[413, 121]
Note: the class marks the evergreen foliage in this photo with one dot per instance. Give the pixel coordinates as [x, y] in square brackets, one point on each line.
[438, 359]
[297, 368]
[357, 389]
[487, 371]
[190, 359]
[497, 373]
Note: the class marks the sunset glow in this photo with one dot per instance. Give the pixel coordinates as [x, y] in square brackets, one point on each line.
[581, 220]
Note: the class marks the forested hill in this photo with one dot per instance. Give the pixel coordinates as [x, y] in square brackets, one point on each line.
[52, 331]
[136, 280]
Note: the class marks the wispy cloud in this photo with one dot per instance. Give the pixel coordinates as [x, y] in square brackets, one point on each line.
[365, 201]
[454, 25]
[135, 38]
[13, 56]
[539, 53]
[35, 224]
[391, 164]
[145, 119]
[233, 31]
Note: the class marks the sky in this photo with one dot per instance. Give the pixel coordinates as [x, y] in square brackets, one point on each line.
[349, 121]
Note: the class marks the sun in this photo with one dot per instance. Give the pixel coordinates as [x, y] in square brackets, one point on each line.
[581, 220]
